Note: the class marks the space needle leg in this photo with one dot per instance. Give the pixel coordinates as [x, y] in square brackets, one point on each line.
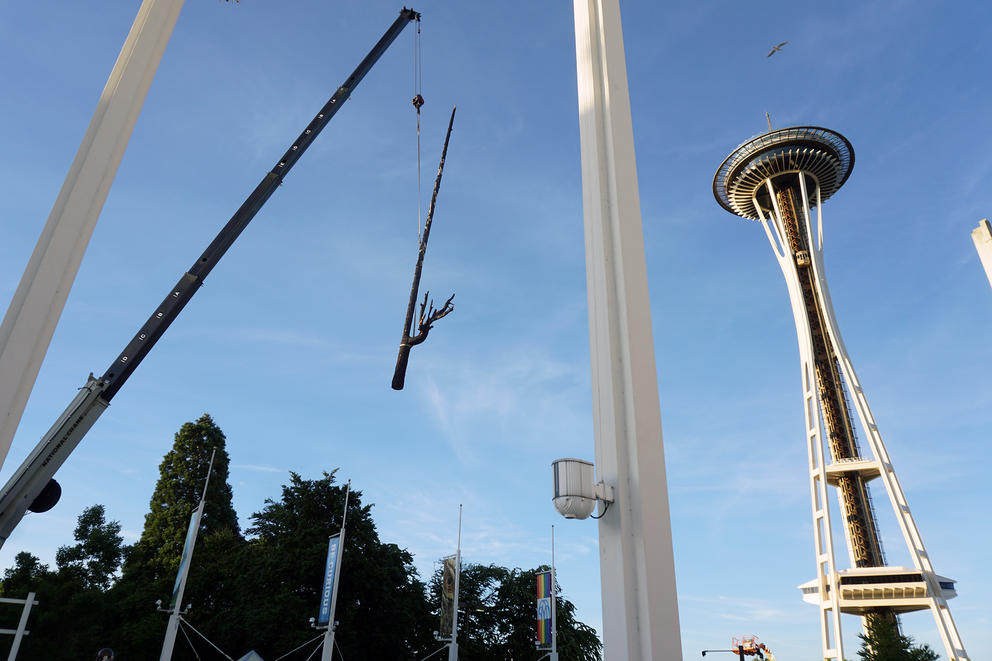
[34, 311]
[637, 569]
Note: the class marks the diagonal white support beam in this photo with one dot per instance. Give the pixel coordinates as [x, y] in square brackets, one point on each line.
[34, 311]
[640, 608]
[982, 236]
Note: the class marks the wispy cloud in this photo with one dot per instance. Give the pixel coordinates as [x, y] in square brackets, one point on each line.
[520, 394]
[279, 336]
[745, 609]
[427, 522]
[261, 469]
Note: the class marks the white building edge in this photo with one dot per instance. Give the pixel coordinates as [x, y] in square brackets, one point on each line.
[982, 236]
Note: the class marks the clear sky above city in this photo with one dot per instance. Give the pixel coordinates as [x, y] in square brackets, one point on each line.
[290, 344]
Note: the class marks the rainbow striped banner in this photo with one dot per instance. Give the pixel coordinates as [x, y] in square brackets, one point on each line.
[544, 608]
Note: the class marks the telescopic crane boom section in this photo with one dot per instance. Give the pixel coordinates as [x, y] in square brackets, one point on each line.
[34, 476]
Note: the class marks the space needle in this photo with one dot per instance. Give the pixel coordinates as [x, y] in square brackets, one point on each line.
[781, 179]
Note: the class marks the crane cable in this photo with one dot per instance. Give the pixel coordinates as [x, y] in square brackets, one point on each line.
[418, 102]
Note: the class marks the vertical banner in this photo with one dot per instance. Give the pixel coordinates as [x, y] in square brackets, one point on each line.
[447, 596]
[329, 569]
[544, 608]
[194, 526]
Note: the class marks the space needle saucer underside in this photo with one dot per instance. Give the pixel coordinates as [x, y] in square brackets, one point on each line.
[819, 152]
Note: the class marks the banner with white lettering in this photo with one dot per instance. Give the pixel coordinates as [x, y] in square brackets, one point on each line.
[325, 595]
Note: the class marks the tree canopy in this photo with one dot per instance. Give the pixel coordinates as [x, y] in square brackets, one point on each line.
[884, 642]
[96, 555]
[74, 612]
[259, 590]
[499, 616]
[180, 484]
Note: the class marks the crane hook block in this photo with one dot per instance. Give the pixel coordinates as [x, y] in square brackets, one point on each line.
[418, 101]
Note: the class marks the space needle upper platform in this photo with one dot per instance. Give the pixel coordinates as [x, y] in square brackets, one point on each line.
[820, 152]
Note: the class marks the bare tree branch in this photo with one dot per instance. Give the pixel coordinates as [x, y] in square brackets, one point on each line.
[428, 314]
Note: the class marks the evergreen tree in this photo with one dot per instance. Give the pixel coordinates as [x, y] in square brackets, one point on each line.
[884, 642]
[150, 565]
[177, 493]
[382, 607]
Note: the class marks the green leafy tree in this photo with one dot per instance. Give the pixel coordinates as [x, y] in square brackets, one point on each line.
[884, 642]
[74, 613]
[24, 576]
[499, 612]
[382, 607]
[96, 555]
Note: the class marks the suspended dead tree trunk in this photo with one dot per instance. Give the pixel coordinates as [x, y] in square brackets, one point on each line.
[428, 314]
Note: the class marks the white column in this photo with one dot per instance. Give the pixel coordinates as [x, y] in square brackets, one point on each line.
[37, 304]
[640, 609]
[554, 602]
[982, 236]
[831, 640]
[453, 647]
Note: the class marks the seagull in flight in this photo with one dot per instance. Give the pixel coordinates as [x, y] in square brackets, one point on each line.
[776, 49]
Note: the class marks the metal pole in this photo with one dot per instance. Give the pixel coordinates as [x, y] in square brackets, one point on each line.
[172, 629]
[554, 600]
[637, 567]
[28, 603]
[328, 650]
[37, 304]
[453, 648]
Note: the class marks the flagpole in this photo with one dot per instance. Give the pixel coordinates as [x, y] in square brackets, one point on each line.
[554, 600]
[172, 629]
[328, 650]
[453, 649]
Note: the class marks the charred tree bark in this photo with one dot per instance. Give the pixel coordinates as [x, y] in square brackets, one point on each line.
[428, 314]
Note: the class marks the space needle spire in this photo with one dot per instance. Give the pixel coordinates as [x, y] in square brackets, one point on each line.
[781, 179]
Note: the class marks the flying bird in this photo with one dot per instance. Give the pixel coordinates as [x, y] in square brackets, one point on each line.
[776, 49]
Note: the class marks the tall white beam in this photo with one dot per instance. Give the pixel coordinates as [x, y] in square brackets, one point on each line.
[34, 311]
[982, 236]
[640, 608]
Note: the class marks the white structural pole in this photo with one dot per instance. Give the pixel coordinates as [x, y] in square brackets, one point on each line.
[34, 311]
[328, 650]
[982, 236]
[935, 599]
[831, 641]
[169, 643]
[829, 586]
[453, 647]
[554, 601]
[21, 629]
[637, 568]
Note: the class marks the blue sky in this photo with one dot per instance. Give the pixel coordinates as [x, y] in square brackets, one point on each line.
[290, 344]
